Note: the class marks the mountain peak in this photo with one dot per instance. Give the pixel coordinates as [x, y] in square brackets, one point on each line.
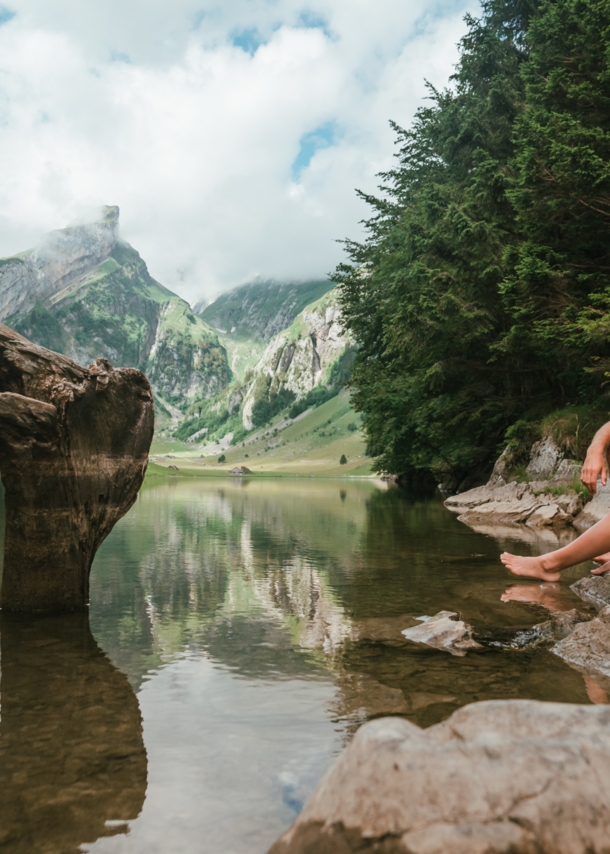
[61, 257]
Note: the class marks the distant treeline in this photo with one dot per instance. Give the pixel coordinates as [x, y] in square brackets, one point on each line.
[480, 299]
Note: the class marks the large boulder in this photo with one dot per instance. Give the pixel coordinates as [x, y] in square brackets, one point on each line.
[74, 447]
[510, 777]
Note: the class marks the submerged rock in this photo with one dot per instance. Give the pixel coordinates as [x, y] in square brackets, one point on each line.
[498, 776]
[73, 452]
[556, 628]
[444, 631]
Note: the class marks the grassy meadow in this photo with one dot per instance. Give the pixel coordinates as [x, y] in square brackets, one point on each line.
[310, 445]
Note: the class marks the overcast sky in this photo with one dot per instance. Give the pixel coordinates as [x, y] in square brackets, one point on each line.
[231, 134]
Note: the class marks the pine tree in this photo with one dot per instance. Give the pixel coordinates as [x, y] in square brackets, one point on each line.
[422, 294]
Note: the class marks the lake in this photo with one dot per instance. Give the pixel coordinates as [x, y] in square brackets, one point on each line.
[239, 632]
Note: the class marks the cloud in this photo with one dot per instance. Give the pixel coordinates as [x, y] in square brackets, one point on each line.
[231, 135]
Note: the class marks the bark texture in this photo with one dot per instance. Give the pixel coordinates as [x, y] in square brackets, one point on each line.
[74, 447]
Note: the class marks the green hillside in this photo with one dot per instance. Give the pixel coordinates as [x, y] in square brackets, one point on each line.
[261, 309]
[311, 444]
[118, 311]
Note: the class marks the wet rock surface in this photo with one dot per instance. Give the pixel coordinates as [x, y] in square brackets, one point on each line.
[445, 631]
[587, 648]
[74, 447]
[594, 589]
[496, 776]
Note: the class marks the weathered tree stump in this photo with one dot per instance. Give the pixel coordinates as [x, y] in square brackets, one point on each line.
[74, 447]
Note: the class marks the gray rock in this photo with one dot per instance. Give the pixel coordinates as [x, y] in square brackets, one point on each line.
[587, 648]
[567, 472]
[64, 255]
[560, 624]
[594, 589]
[596, 509]
[443, 631]
[544, 459]
[500, 776]
[515, 503]
[502, 466]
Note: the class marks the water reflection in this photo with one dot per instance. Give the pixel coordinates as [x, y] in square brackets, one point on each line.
[290, 578]
[260, 623]
[72, 758]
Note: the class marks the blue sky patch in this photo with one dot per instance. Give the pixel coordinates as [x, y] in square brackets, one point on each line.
[117, 56]
[249, 40]
[5, 15]
[311, 21]
[322, 137]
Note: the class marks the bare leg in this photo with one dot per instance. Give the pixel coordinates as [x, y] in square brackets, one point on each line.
[595, 541]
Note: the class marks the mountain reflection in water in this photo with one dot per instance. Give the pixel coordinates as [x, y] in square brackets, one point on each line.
[260, 623]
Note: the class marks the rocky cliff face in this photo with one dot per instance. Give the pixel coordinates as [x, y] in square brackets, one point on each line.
[63, 256]
[300, 357]
[87, 294]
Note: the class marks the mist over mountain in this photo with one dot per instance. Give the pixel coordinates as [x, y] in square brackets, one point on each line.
[261, 308]
[86, 293]
[219, 370]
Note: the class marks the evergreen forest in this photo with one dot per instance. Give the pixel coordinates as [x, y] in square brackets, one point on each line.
[480, 297]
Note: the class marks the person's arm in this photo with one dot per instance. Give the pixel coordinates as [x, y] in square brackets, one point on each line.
[595, 462]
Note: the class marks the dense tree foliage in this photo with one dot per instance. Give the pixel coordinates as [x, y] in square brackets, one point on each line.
[480, 297]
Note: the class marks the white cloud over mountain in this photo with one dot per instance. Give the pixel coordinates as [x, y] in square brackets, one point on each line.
[231, 135]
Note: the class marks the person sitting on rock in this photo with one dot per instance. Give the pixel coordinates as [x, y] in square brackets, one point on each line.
[594, 544]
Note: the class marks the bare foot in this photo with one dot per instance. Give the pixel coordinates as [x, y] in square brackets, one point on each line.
[602, 558]
[601, 570]
[531, 567]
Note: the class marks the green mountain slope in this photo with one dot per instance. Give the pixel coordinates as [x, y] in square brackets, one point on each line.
[116, 310]
[261, 309]
[277, 411]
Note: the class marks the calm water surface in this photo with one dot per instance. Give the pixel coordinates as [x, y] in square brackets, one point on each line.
[239, 632]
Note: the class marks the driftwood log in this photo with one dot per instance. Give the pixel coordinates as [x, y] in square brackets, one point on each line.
[74, 447]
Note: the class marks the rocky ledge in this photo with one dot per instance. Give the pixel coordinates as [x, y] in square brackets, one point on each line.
[514, 776]
[549, 497]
